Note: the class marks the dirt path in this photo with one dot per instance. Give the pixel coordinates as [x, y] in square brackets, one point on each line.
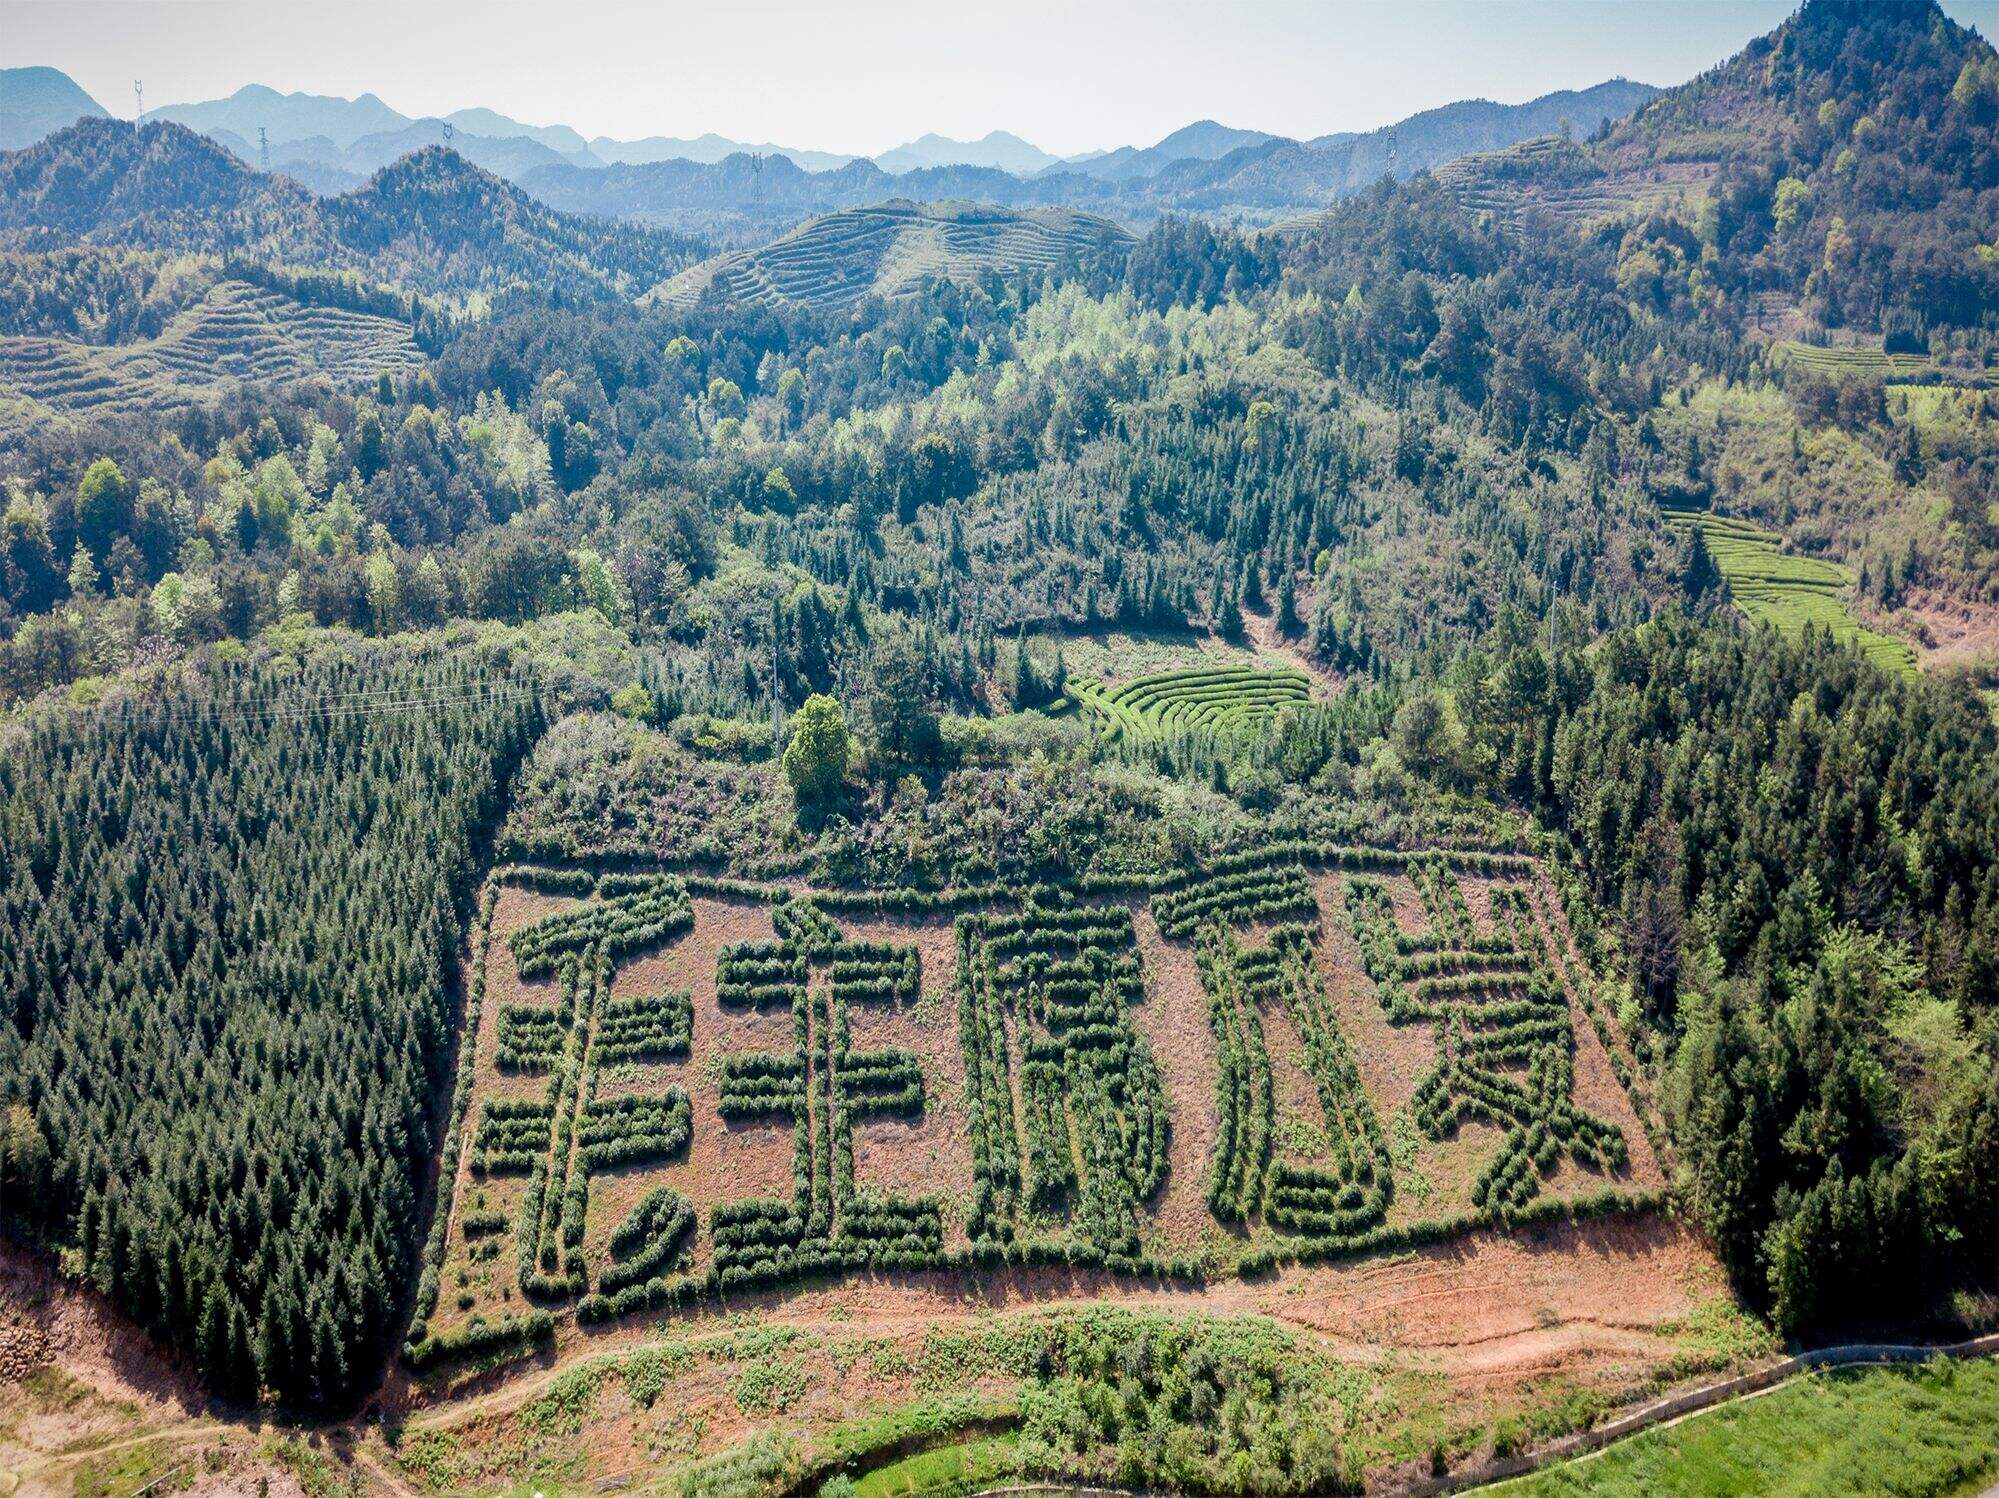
[1262, 632]
[381, 1478]
[1174, 1021]
[1487, 1309]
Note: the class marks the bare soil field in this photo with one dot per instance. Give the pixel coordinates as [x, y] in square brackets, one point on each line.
[1948, 632]
[932, 1155]
[1457, 1335]
[1174, 1021]
[1454, 1337]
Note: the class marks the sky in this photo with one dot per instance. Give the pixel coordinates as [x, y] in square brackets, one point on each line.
[861, 76]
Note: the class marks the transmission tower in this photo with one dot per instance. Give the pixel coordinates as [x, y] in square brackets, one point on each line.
[447, 132]
[264, 147]
[776, 702]
[139, 102]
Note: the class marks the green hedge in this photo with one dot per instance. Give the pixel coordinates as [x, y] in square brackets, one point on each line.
[479, 1337]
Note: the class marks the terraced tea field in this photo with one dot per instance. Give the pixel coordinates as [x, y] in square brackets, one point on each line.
[679, 1091]
[238, 332]
[1218, 698]
[726, 1158]
[1844, 363]
[1789, 592]
[1548, 176]
[891, 250]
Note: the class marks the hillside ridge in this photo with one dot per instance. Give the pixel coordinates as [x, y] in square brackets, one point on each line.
[890, 250]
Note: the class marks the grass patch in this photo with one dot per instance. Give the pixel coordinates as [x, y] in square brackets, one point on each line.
[943, 1473]
[768, 1384]
[435, 1458]
[648, 1372]
[866, 1442]
[1932, 1430]
[122, 1473]
[315, 1470]
[1720, 1334]
[568, 1402]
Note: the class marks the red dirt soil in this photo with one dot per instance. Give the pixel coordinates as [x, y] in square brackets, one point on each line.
[1596, 1303]
[1174, 1021]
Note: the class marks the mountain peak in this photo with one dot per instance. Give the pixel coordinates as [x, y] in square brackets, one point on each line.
[996, 148]
[286, 117]
[38, 101]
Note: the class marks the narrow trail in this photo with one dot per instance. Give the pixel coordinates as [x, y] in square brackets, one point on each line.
[177, 1434]
[1262, 632]
[381, 1478]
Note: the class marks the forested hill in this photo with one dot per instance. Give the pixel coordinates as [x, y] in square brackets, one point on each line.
[1840, 170]
[893, 249]
[431, 222]
[1858, 163]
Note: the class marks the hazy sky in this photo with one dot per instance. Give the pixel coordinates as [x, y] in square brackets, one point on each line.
[864, 75]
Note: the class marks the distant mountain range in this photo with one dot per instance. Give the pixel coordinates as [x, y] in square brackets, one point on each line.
[1009, 153]
[431, 222]
[37, 102]
[1204, 140]
[1205, 168]
[741, 193]
[708, 148]
[336, 142]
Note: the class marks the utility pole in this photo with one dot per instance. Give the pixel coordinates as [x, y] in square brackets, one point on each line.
[776, 702]
[1554, 593]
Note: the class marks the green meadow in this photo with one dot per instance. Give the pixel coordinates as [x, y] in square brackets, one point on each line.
[1926, 1432]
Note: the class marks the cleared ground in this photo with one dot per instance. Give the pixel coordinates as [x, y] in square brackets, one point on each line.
[1449, 1349]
